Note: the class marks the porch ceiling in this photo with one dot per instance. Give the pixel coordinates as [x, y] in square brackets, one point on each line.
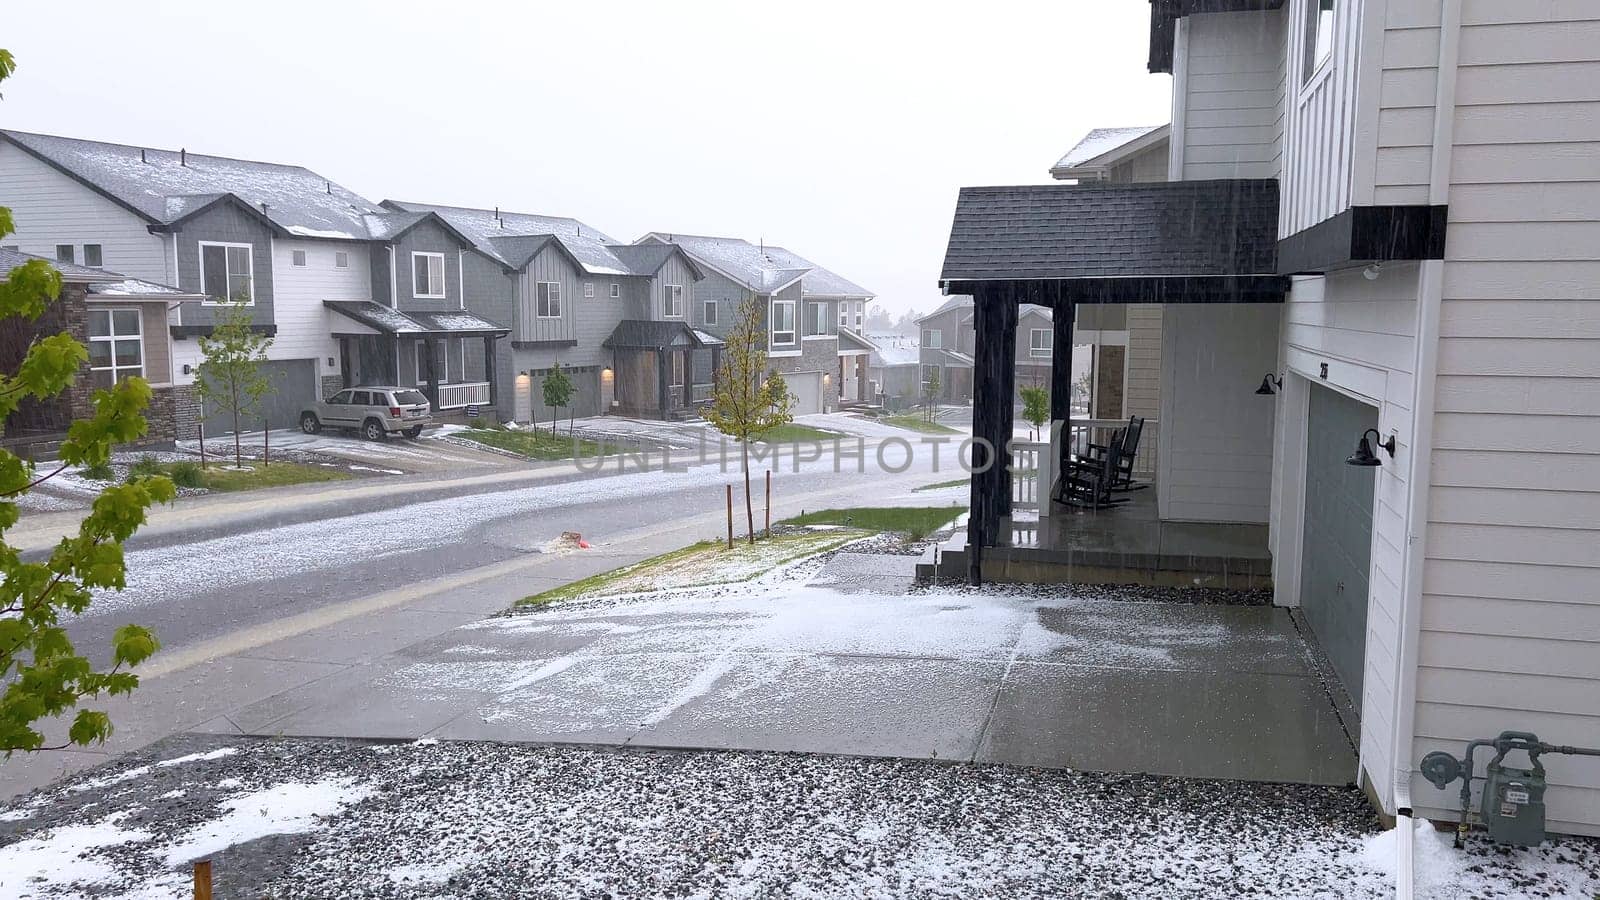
[1174, 242]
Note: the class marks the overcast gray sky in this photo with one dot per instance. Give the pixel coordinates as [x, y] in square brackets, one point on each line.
[841, 130]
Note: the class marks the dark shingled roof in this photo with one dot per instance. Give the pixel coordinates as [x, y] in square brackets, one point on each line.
[392, 321]
[639, 334]
[1164, 16]
[648, 258]
[1103, 231]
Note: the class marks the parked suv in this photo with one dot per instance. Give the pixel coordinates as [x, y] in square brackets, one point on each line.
[376, 412]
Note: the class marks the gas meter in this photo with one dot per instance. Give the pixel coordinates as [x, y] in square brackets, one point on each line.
[1511, 805]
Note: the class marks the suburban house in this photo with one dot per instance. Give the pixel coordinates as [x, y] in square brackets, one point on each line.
[124, 324]
[814, 316]
[281, 238]
[1379, 356]
[948, 340]
[615, 316]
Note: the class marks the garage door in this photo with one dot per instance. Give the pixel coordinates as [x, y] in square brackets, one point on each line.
[1338, 534]
[807, 390]
[294, 387]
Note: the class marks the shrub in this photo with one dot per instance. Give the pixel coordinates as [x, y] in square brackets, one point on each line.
[186, 474]
[99, 472]
[144, 467]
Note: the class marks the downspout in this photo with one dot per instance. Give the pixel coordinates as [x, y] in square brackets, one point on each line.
[1430, 299]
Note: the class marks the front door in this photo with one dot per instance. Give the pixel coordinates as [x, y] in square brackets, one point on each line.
[1338, 533]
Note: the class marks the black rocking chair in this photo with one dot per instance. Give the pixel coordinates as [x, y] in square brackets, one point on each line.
[1088, 482]
[1130, 450]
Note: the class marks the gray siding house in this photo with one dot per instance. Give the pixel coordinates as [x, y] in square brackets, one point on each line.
[814, 316]
[281, 237]
[614, 316]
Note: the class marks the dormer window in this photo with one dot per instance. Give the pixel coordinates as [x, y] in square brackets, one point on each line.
[1319, 35]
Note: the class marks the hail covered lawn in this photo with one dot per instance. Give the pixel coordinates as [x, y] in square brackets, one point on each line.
[319, 818]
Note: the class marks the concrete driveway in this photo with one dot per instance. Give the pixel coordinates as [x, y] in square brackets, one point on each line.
[842, 660]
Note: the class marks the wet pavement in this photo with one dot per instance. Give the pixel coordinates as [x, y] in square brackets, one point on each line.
[847, 659]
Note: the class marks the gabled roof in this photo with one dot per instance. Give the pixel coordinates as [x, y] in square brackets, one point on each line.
[647, 259]
[855, 342]
[166, 186]
[1103, 148]
[1181, 229]
[391, 226]
[764, 268]
[641, 334]
[389, 320]
[957, 301]
[895, 350]
[587, 246]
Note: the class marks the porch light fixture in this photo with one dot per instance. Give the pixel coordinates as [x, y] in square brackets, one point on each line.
[1372, 272]
[1270, 385]
[1364, 456]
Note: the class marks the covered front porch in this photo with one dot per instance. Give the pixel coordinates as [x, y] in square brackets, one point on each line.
[654, 368]
[449, 356]
[1084, 506]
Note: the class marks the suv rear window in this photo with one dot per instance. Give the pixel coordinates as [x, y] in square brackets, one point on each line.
[409, 398]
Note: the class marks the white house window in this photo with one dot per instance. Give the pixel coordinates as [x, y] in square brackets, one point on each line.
[672, 301]
[547, 300]
[225, 271]
[64, 253]
[1039, 341]
[844, 315]
[782, 322]
[341, 260]
[616, 290]
[1319, 35]
[932, 338]
[711, 312]
[441, 361]
[861, 306]
[92, 256]
[298, 257]
[427, 275]
[588, 290]
[116, 346]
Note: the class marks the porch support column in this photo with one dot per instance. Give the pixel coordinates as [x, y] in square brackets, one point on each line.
[1008, 409]
[433, 372]
[663, 381]
[716, 365]
[1065, 315]
[489, 369]
[345, 375]
[991, 421]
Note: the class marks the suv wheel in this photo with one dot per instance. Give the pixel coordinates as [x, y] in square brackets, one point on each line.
[372, 430]
[309, 423]
[413, 431]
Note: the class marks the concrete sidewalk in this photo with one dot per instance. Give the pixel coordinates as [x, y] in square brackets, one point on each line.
[1107, 685]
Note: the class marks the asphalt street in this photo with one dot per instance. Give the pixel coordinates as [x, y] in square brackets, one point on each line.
[363, 563]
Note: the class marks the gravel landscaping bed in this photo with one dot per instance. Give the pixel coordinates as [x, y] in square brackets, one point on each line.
[319, 818]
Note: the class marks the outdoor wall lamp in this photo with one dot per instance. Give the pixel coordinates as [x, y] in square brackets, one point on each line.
[1364, 455]
[1270, 385]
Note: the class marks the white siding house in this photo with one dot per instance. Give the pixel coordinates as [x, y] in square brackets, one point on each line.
[1481, 360]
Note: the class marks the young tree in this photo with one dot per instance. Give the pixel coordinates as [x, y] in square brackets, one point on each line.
[230, 376]
[930, 389]
[749, 399]
[1035, 406]
[42, 674]
[558, 393]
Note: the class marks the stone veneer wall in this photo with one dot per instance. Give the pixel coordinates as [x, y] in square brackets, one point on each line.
[332, 384]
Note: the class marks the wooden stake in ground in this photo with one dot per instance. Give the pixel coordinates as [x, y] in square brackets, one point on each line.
[769, 503]
[266, 440]
[730, 517]
[202, 428]
[202, 880]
